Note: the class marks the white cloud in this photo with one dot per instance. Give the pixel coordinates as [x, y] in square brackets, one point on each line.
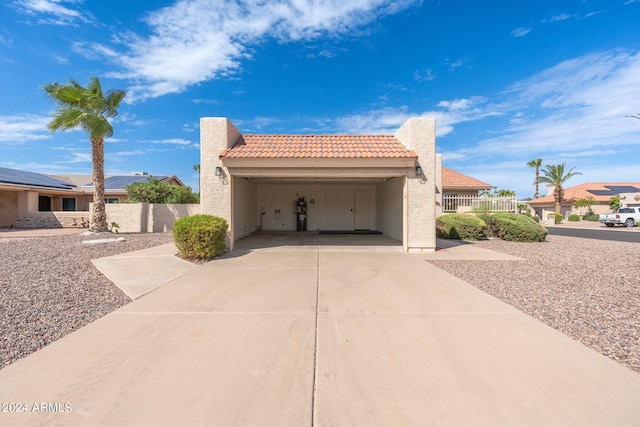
[559, 17]
[172, 141]
[258, 122]
[193, 41]
[427, 76]
[6, 40]
[576, 105]
[388, 120]
[520, 32]
[22, 128]
[457, 63]
[56, 12]
[76, 157]
[206, 101]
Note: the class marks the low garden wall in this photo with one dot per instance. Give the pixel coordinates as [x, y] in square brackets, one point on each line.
[130, 217]
[147, 217]
[54, 220]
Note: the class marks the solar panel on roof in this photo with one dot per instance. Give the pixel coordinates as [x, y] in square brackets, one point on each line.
[615, 189]
[14, 176]
[602, 192]
[623, 188]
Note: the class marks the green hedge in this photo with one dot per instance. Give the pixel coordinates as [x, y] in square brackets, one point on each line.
[516, 227]
[591, 217]
[200, 237]
[460, 226]
[574, 217]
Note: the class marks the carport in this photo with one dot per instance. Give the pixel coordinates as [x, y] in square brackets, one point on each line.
[322, 183]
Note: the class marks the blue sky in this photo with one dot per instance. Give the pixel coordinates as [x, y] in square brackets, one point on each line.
[506, 81]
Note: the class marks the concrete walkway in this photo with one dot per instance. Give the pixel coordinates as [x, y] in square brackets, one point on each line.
[305, 336]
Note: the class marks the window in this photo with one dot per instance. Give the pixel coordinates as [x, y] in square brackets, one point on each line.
[112, 200]
[44, 203]
[69, 204]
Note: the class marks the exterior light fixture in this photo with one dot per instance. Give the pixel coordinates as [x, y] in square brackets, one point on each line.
[418, 170]
[218, 171]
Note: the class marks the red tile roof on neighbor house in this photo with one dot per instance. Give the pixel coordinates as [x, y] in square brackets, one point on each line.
[453, 179]
[318, 146]
[571, 194]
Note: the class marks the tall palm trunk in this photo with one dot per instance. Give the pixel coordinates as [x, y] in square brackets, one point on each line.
[99, 214]
[537, 183]
[558, 194]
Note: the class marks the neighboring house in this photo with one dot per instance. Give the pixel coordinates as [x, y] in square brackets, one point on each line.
[460, 191]
[29, 199]
[601, 192]
[350, 183]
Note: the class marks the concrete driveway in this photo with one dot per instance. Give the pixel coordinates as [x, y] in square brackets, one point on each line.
[305, 335]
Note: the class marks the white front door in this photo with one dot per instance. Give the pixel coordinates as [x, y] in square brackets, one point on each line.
[362, 210]
[339, 210]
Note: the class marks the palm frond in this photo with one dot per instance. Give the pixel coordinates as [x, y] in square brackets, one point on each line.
[113, 99]
[65, 119]
[98, 127]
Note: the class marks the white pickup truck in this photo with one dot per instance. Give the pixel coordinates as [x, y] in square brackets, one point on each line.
[625, 216]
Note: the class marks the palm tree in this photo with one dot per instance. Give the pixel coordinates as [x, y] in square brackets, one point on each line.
[554, 175]
[536, 163]
[88, 109]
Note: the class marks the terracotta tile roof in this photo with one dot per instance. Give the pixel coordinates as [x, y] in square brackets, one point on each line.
[318, 146]
[453, 179]
[571, 194]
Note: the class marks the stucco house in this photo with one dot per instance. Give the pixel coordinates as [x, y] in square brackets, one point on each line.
[460, 191]
[337, 183]
[29, 199]
[600, 192]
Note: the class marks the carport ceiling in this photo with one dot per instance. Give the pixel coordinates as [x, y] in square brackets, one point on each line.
[319, 180]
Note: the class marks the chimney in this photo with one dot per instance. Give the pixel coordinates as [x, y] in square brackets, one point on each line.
[550, 189]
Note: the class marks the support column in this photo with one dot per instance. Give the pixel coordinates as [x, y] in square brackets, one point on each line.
[419, 135]
[216, 135]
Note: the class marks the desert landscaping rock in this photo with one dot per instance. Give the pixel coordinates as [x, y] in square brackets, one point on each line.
[588, 289]
[49, 288]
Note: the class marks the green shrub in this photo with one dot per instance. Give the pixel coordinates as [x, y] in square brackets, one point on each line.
[516, 227]
[558, 218]
[156, 191]
[591, 217]
[200, 237]
[460, 226]
[574, 217]
[529, 218]
[534, 218]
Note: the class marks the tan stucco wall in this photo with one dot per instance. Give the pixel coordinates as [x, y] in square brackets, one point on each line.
[330, 210]
[8, 208]
[148, 217]
[245, 207]
[164, 215]
[389, 207]
[216, 135]
[419, 135]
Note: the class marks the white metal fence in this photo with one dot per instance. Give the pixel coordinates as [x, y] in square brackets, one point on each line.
[465, 203]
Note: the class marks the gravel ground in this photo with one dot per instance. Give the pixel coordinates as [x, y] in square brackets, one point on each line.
[588, 289]
[49, 288]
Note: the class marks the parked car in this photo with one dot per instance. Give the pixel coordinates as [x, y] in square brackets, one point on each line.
[625, 216]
